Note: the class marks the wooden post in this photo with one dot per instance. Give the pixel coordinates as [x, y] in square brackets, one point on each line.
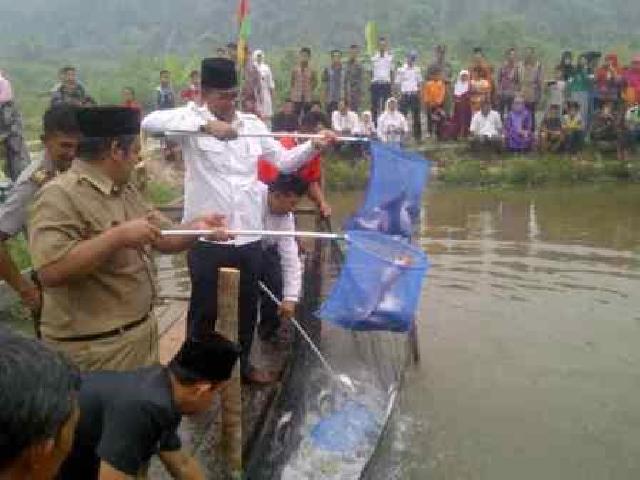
[231, 396]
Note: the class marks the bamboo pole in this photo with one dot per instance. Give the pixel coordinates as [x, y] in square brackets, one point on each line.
[227, 325]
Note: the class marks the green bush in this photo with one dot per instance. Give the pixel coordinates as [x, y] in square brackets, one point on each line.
[160, 193]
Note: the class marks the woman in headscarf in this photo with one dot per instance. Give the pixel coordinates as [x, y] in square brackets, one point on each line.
[518, 127]
[265, 102]
[367, 128]
[392, 125]
[462, 104]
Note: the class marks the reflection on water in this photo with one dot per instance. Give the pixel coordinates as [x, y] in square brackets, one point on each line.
[530, 335]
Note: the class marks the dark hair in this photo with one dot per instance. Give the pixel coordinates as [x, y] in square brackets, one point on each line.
[67, 68]
[477, 50]
[194, 72]
[162, 72]
[306, 50]
[130, 90]
[382, 39]
[36, 394]
[289, 185]
[60, 119]
[312, 119]
[92, 148]
[232, 45]
[287, 100]
[354, 45]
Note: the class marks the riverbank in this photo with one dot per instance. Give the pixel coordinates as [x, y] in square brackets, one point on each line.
[454, 165]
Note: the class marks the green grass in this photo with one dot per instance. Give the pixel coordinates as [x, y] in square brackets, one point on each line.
[19, 251]
[161, 194]
[535, 170]
[344, 172]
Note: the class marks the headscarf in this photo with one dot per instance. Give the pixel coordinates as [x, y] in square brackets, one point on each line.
[256, 54]
[387, 103]
[460, 88]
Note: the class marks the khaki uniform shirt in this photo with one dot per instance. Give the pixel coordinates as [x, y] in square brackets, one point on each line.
[78, 205]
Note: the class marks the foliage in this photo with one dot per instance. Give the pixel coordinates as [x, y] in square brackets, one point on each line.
[160, 193]
[344, 172]
[18, 249]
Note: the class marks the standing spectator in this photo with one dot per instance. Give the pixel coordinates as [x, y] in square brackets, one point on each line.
[518, 127]
[609, 80]
[286, 119]
[486, 128]
[165, 98]
[433, 97]
[333, 82]
[70, 92]
[480, 88]
[482, 73]
[343, 120]
[410, 80]
[462, 104]
[392, 124]
[531, 83]
[17, 154]
[268, 87]
[381, 77]
[446, 71]
[353, 79]
[192, 92]
[557, 89]
[579, 90]
[129, 99]
[573, 129]
[508, 82]
[631, 75]
[304, 81]
[251, 88]
[551, 136]
[566, 65]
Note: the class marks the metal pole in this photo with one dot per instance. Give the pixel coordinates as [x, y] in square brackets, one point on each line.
[303, 136]
[255, 233]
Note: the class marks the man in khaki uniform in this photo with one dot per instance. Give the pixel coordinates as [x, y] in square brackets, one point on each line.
[91, 237]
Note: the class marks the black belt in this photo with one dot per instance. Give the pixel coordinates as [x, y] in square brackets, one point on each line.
[101, 336]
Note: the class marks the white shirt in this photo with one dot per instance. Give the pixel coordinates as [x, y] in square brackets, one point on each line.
[409, 79]
[392, 126]
[222, 176]
[382, 67]
[287, 248]
[348, 122]
[490, 126]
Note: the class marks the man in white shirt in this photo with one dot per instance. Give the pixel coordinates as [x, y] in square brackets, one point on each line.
[282, 270]
[486, 129]
[221, 175]
[381, 78]
[409, 80]
[343, 120]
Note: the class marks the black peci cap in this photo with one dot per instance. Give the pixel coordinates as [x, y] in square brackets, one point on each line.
[209, 358]
[108, 121]
[218, 73]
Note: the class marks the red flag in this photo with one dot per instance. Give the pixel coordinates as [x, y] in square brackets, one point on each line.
[243, 10]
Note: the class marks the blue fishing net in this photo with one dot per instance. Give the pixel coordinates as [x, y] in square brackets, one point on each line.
[379, 284]
[393, 198]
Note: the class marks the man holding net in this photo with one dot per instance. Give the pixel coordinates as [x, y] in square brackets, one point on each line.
[221, 173]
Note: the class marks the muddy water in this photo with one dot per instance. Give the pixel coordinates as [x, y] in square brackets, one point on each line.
[530, 338]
